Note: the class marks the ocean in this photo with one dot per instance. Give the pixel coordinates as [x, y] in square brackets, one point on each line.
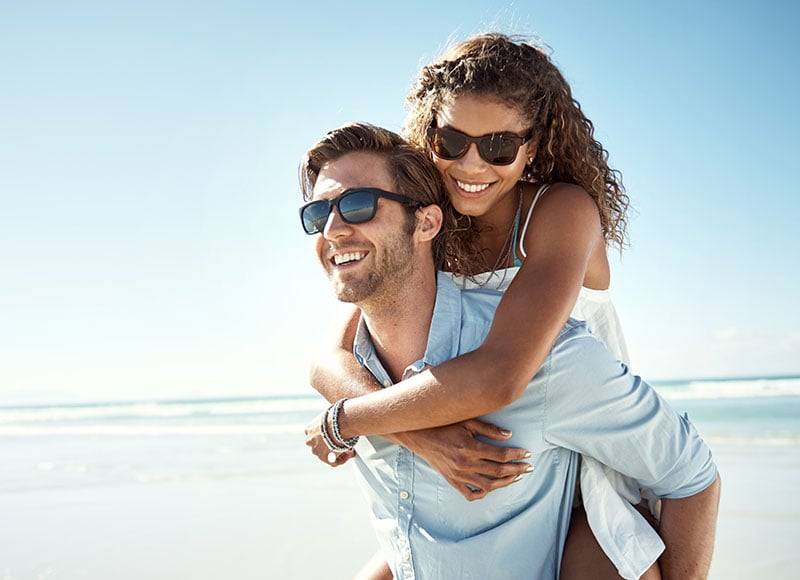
[140, 442]
[225, 488]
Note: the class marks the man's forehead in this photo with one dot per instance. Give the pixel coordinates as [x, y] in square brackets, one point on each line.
[360, 169]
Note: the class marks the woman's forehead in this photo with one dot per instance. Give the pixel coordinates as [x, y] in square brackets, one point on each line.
[480, 115]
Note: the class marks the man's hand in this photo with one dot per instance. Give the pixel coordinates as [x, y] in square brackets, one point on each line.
[320, 448]
[471, 466]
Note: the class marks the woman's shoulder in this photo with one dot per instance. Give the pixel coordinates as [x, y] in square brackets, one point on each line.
[564, 218]
[559, 194]
[560, 206]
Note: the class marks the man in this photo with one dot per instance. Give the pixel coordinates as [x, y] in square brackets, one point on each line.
[374, 204]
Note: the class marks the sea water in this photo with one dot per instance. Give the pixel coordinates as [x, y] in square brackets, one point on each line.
[141, 442]
[101, 444]
[156, 441]
[761, 411]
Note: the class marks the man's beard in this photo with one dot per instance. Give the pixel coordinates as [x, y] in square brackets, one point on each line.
[389, 274]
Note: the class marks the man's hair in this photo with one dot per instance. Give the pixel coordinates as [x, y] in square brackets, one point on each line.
[411, 170]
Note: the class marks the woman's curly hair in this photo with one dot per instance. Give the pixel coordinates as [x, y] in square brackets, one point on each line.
[520, 74]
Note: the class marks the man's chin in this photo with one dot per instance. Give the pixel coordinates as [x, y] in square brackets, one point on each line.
[348, 292]
[344, 297]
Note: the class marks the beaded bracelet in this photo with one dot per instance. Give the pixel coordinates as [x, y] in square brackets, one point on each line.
[347, 443]
[326, 436]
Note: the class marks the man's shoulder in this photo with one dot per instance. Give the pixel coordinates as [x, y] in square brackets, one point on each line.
[573, 328]
[478, 306]
[575, 334]
[480, 302]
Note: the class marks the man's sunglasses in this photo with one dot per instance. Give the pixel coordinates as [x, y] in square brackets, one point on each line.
[496, 148]
[356, 206]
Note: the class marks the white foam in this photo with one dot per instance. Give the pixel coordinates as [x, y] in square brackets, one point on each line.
[157, 410]
[731, 389]
[147, 430]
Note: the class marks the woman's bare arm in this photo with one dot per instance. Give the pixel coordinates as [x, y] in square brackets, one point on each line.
[470, 465]
[564, 233]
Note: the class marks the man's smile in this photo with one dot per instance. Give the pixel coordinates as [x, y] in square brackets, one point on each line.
[348, 258]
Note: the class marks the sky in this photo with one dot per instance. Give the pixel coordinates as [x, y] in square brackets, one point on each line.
[149, 241]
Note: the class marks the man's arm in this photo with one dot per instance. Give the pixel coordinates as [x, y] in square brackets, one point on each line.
[597, 407]
[335, 373]
[688, 528]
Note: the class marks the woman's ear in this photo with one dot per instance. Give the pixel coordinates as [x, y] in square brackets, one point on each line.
[530, 152]
[429, 222]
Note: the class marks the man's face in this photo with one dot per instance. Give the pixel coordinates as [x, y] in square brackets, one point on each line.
[366, 262]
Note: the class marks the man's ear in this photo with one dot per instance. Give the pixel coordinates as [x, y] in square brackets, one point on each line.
[429, 222]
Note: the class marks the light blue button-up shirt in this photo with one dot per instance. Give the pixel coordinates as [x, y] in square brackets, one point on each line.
[582, 401]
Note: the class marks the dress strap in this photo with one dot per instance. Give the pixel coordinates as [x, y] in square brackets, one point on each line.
[539, 193]
[517, 261]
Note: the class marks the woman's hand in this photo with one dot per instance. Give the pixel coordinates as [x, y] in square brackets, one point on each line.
[472, 467]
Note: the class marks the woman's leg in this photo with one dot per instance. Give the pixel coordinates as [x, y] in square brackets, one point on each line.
[584, 558]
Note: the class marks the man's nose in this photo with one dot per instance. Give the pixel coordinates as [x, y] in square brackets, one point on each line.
[335, 226]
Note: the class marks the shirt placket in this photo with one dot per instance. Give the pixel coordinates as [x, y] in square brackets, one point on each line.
[405, 469]
[405, 512]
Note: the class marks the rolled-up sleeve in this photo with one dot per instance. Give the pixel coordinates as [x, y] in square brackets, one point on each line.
[597, 407]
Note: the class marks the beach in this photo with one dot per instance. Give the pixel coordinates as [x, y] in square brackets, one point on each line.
[289, 525]
[227, 489]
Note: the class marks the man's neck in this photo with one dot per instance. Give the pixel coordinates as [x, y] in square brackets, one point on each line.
[399, 328]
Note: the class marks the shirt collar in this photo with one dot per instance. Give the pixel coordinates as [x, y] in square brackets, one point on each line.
[445, 333]
[443, 338]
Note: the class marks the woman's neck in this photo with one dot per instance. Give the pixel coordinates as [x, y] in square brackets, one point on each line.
[497, 239]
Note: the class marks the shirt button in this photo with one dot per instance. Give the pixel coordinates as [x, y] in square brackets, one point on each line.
[404, 494]
[406, 556]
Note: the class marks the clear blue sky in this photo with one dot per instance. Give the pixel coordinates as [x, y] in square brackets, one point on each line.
[149, 242]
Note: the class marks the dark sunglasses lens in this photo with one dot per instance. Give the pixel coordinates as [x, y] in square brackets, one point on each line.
[315, 215]
[448, 144]
[357, 207]
[498, 149]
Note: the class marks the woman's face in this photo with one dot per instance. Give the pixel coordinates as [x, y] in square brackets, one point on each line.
[476, 187]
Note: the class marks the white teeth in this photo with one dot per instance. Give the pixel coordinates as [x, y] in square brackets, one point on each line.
[472, 188]
[340, 259]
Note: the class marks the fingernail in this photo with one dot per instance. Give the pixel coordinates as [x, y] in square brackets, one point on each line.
[530, 468]
[516, 479]
[527, 455]
[505, 432]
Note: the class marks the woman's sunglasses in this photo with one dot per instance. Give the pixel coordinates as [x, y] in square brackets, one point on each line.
[496, 148]
[356, 206]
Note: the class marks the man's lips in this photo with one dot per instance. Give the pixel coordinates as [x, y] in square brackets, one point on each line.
[344, 258]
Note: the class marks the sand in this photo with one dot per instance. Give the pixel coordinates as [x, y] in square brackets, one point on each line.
[309, 521]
